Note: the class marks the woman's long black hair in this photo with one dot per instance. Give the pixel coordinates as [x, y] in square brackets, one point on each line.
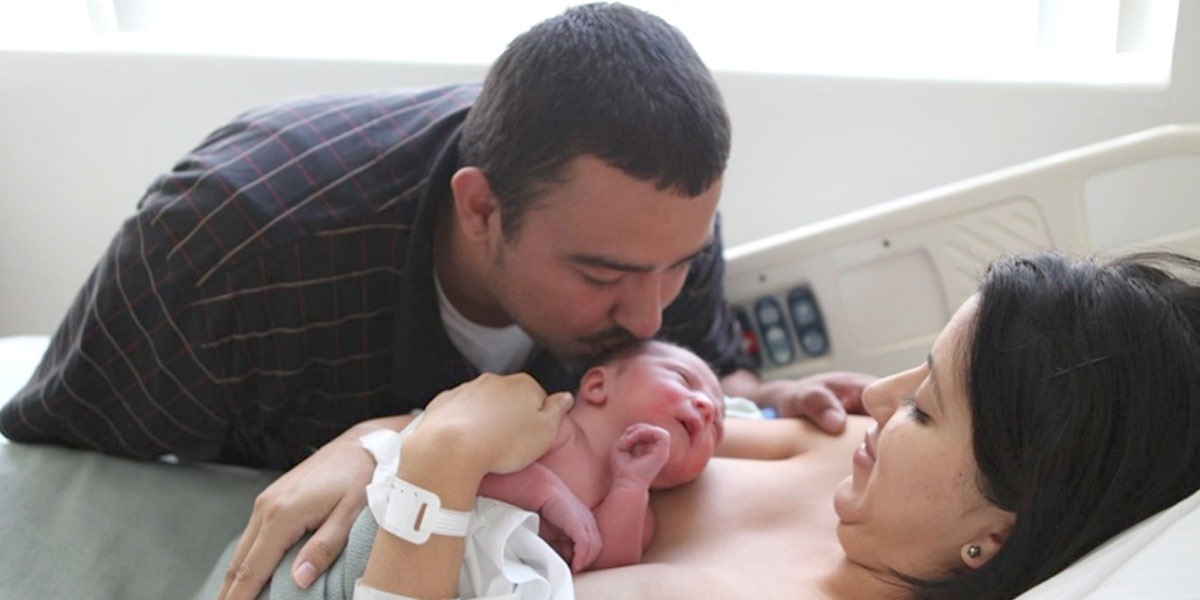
[1084, 383]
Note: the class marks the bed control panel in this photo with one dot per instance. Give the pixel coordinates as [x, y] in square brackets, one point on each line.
[776, 341]
[783, 328]
[806, 319]
[746, 329]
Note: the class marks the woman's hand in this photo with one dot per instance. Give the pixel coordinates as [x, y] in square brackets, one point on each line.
[491, 424]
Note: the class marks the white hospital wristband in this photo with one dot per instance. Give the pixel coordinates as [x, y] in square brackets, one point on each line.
[363, 591]
[402, 508]
[411, 512]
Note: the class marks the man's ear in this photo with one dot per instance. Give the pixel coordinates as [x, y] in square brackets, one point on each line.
[593, 387]
[476, 209]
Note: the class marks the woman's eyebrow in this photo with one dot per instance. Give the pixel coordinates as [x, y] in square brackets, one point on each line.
[937, 387]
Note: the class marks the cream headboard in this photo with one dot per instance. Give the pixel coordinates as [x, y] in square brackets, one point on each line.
[869, 290]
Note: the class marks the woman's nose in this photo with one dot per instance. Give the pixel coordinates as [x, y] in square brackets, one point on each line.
[882, 396]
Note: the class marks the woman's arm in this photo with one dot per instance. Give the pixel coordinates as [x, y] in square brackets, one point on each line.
[444, 466]
[493, 424]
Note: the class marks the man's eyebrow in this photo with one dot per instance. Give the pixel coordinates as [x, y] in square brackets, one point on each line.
[937, 387]
[604, 262]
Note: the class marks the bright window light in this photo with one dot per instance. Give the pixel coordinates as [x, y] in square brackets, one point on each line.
[1091, 41]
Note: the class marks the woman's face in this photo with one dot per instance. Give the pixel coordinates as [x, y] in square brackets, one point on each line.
[912, 505]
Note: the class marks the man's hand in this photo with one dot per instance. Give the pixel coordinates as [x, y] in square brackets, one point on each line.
[324, 493]
[824, 398]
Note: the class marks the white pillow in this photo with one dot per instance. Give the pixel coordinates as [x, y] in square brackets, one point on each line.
[1157, 559]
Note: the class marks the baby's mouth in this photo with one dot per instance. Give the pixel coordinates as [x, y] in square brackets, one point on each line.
[692, 426]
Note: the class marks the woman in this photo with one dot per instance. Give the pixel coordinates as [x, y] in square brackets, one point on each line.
[1059, 406]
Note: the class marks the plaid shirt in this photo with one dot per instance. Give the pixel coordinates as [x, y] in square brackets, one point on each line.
[276, 287]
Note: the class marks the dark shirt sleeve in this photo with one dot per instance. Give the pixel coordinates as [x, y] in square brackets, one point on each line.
[245, 313]
[700, 318]
[124, 373]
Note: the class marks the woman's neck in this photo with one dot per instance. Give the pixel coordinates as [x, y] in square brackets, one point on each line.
[843, 579]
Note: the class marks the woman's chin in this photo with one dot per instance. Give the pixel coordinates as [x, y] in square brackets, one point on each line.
[844, 497]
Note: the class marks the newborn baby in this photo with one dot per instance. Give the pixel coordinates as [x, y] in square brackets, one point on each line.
[648, 417]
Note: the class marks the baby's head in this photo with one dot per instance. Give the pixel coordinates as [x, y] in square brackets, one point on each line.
[665, 385]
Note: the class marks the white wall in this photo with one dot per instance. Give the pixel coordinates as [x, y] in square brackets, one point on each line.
[82, 135]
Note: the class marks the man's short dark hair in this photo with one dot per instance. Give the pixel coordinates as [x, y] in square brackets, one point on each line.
[600, 79]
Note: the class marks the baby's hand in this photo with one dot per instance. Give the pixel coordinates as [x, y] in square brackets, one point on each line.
[566, 513]
[640, 453]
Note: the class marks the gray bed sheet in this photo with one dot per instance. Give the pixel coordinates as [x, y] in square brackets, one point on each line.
[77, 524]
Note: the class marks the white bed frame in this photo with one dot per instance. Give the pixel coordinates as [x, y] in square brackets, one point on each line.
[888, 277]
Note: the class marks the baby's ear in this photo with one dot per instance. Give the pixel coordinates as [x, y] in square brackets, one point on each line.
[593, 387]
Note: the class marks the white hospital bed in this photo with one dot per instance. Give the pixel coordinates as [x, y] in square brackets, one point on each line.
[866, 291]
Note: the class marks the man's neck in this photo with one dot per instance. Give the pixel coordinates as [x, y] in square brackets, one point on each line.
[462, 269]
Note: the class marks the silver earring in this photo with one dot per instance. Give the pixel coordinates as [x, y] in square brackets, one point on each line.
[974, 551]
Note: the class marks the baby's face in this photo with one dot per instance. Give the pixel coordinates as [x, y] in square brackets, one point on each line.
[672, 388]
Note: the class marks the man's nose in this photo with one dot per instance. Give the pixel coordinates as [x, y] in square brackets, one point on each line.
[640, 307]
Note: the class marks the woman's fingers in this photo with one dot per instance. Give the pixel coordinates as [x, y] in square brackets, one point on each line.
[556, 406]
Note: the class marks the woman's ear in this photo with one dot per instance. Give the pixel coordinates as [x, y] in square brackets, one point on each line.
[593, 387]
[476, 210]
[979, 551]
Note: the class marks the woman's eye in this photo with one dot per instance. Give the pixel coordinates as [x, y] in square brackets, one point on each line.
[914, 411]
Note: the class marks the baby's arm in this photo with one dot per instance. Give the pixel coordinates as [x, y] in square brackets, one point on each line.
[541, 490]
[624, 517]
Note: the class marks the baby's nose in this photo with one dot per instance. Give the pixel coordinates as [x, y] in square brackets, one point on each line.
[704, 406]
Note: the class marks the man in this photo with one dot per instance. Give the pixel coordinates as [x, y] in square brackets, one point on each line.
[322, 262]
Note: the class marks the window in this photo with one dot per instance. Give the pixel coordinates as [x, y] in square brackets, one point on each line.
[1093, 41]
